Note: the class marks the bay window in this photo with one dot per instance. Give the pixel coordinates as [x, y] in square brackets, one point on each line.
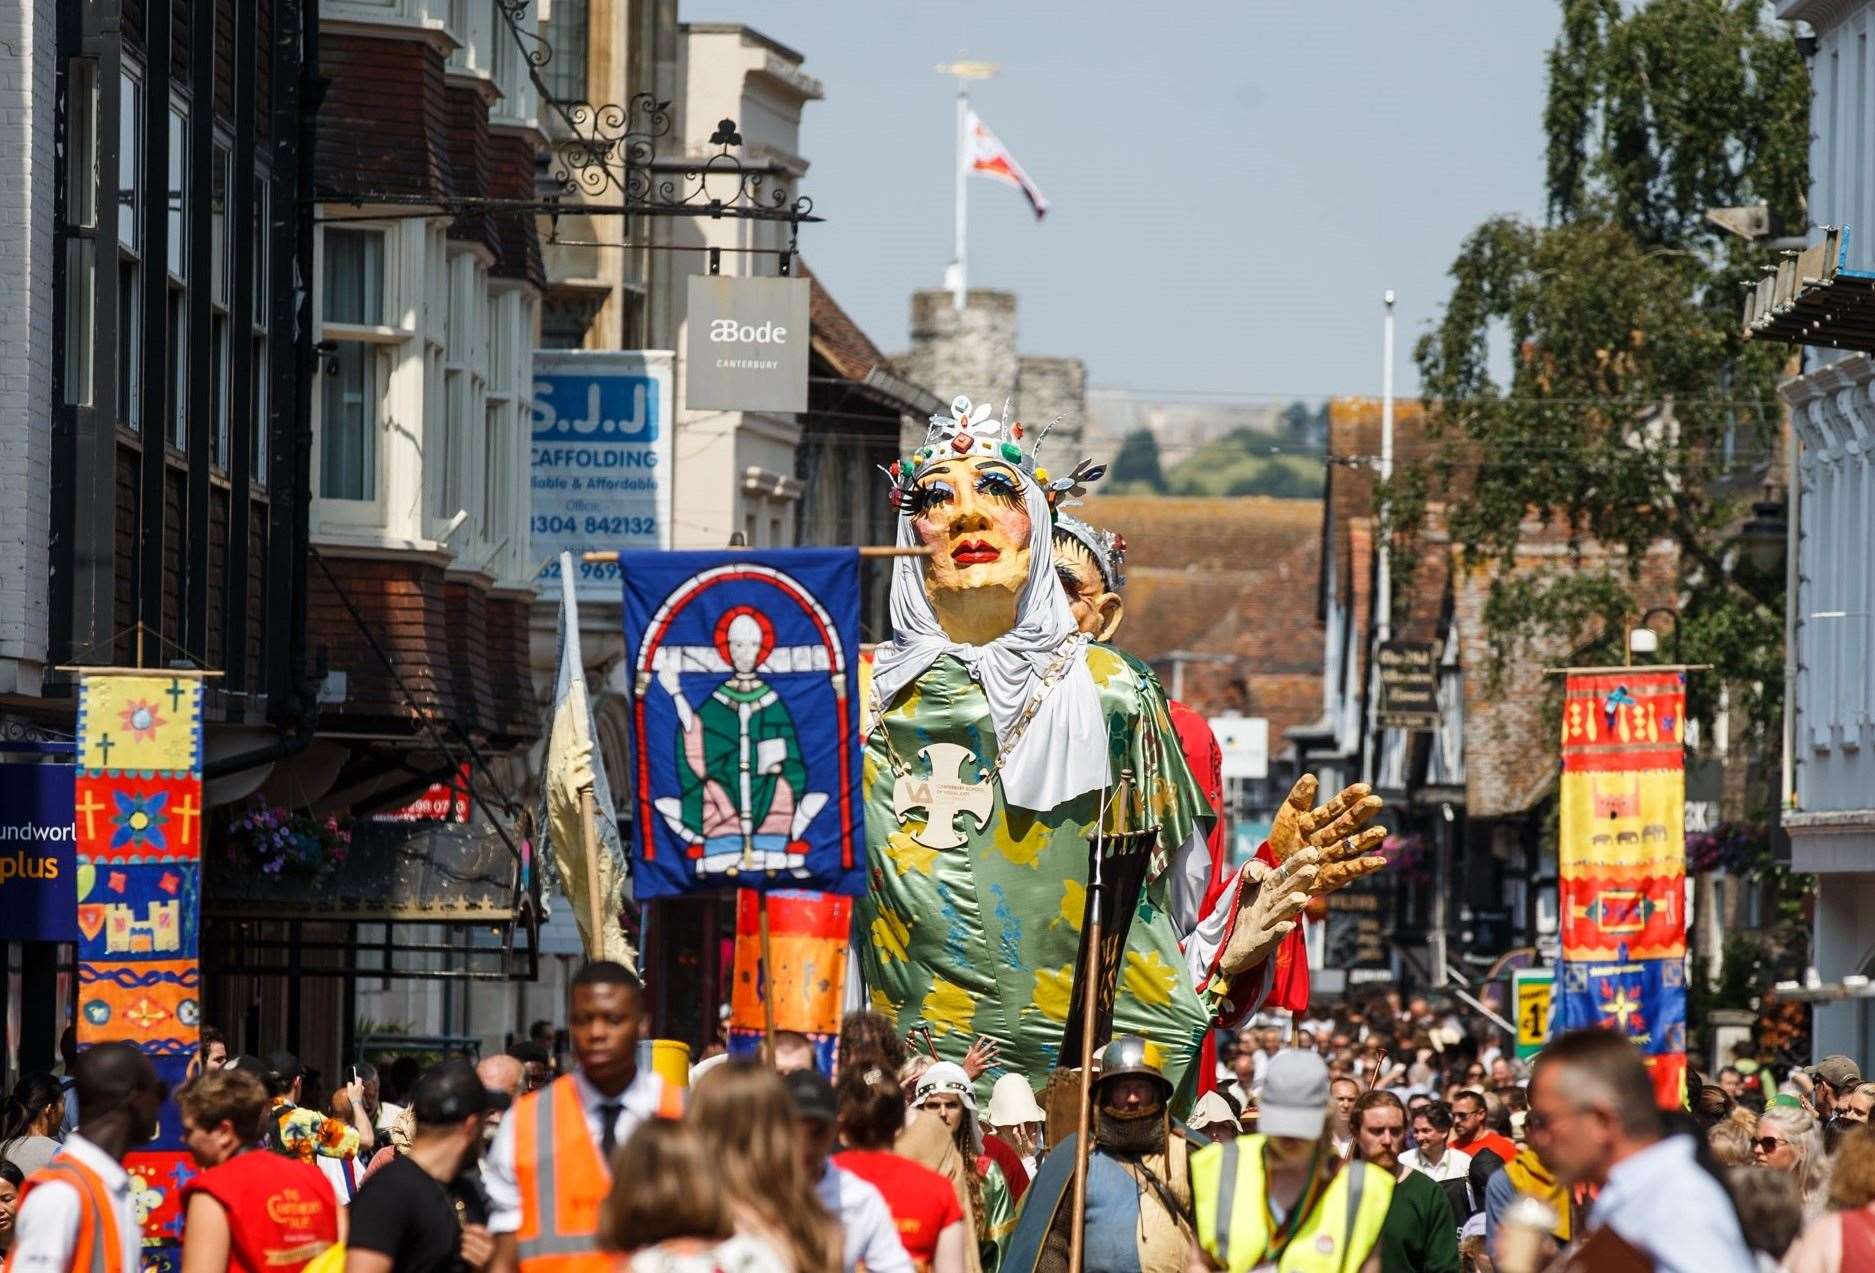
[130, 247]
[221, 293]
[177, 218]
[356, 369]
[257, 368]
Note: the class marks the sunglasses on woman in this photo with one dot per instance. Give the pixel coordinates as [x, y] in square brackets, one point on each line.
[1769, 1144]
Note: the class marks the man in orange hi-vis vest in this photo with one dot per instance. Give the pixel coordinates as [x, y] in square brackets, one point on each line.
[550, 1166]
[76, 1213]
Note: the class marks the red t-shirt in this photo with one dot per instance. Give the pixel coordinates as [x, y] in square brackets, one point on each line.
[922, 1202]
[281, 1211]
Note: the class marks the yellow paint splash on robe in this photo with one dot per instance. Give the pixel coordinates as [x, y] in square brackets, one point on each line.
[1053, 986]
[891, 935]
[949, 1008]
[884, 1005]
[1073, 904]
[1026, 849]
[909, 855]
[1148, 978]
[1104, 664]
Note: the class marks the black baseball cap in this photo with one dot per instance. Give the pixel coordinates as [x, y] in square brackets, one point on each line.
[284, 1066]
[812, 1095]
[451, 1092]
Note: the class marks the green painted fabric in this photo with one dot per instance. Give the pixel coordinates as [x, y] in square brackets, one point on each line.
[999, 1215]
[980, 940]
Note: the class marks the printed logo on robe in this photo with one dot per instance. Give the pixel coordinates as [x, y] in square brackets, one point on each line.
[745, 728]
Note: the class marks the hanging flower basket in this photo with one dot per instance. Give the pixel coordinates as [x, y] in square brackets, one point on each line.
[1737, 848]
[267, 840]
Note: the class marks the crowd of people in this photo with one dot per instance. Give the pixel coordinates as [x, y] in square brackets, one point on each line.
[1385, 1137]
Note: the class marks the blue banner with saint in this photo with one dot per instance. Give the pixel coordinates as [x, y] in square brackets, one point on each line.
[745, 720]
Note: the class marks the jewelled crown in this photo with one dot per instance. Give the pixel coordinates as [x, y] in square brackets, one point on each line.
[975, 431]
[1108, 547]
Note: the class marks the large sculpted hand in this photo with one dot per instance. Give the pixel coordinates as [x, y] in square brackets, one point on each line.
[1334, 830]
[1268, 914]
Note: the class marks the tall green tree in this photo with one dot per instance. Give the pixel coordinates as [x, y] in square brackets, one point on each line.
[1589, 374]
[1137, 463]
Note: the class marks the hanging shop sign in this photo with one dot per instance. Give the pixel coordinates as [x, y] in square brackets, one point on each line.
[38, 855]
[1409, 686]
[1533, 995]
[602, 460]
[748, 342]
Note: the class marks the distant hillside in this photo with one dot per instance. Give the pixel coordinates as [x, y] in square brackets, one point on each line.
[1241, 462]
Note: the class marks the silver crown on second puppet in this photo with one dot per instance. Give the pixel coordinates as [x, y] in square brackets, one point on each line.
[1107, 547]
[974, 431]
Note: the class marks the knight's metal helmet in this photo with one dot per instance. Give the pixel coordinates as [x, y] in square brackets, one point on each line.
[1130, 1054]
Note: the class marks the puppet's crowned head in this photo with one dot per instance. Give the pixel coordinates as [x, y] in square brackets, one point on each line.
[972, 494]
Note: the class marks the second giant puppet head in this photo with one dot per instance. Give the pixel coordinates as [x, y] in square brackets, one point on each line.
[1091, 565]
[977, 499]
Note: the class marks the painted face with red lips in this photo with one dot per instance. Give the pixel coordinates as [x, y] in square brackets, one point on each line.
[972, 511]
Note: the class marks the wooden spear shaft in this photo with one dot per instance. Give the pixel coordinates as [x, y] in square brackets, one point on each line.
[589, 827]
[768, 978]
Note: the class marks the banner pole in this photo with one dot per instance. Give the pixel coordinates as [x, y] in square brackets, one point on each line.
[768, 977]
[1090, 1006]
[589, 828]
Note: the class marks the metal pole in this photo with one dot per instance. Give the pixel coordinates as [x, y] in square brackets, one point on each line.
[963, 177]
[1383, 604]
[768, 978]
[1090, 1007]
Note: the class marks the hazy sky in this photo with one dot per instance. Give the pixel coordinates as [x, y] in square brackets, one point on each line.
[1232, 185]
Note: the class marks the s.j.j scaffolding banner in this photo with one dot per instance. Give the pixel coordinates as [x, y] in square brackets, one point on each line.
[745, 740]
[1623, 864]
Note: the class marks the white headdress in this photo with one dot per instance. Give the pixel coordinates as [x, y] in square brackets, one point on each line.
[1062, 753]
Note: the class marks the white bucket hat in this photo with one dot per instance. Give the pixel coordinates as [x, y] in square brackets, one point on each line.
[1012, 1103]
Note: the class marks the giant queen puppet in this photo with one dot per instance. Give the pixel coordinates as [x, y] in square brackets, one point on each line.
[994, 731]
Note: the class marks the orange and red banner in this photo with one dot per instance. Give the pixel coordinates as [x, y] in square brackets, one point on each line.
[808, 935]
[1623, 864]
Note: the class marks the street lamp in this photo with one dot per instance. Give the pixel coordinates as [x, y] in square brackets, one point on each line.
[1763, 538]
[1644, 640]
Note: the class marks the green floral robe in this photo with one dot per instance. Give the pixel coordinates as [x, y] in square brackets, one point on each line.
[980, 940]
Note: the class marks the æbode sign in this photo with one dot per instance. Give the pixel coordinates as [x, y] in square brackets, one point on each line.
[1409, 686]
[748, 344]
[602, 459]
[38, 853]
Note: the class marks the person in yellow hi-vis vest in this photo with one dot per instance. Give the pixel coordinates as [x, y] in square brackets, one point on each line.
[1282, 1201]
[550, 1167]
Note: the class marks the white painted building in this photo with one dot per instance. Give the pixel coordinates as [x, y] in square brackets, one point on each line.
[28, 174]
[734, 470]
[1830, 799]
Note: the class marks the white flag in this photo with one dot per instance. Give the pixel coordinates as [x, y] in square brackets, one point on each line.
[573, 767]
[985, 154]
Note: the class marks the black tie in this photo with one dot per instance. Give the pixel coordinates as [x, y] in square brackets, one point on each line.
[608, 1134]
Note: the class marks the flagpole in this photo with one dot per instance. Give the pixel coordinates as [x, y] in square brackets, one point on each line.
[963, 201]
[964, 71]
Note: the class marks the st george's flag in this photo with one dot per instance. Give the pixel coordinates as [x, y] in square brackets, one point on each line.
[986, 155]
